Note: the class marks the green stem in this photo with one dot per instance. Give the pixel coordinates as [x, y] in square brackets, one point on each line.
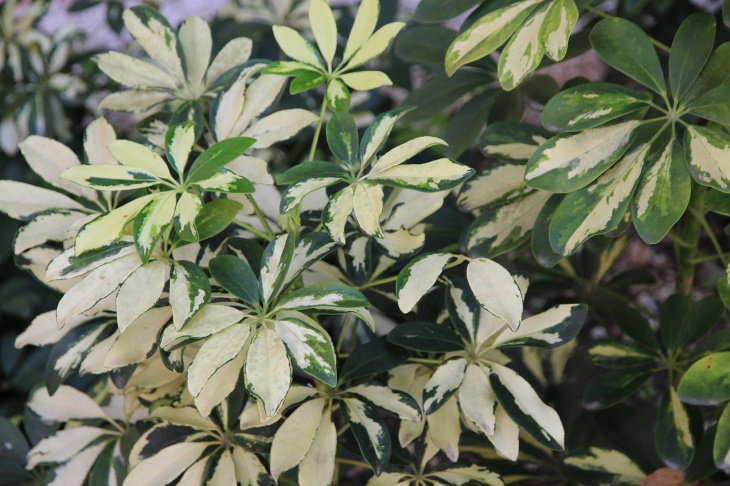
[710, 234]
[262, 217]
[318, 129]
[375, 283]
[253, 230]
[690, 235]
[351, 462]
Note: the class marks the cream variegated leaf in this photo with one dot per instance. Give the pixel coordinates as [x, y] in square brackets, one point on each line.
[398, 403]
[275, 263]
[109, 227]
[496, 290]
[557, 27]
[599, 207]
[366, 80]
[63, 445]
[525, 407]
[376, 44]
[707, 150]
[548, 329]
[189, 291]
[367, 203]
[179, 146]
[95, 286]
[74, 471]
[224, 471]
[487, 34]
[295, 192]
[444, 428]
[434, 176]
[336, 213]
[363, 27]
[506, 437]
[220, 385]
[324, 29]
[67, 403]
[279, 126]
[524, 51]
[134, 100]
[318, 466]
[309, 347]
[22, 201]
[215, 352]
[443, 384]
[49, 158]
[234, 53]
[166, 465]
[211, 319]
[151, 222]
[48, 226]
[296, 46]
[140, 291]
[495, 185]
[418, 277]
[132, 72]
[134, 154]
[370, 432]
[261, 95]
[110, 177]
[601, 460]
[128, 348]
[156, 36]
[186, 210]
[476, 399]
[293, 440]
[268, 370]
[462, 475]
[197, 44]
[569, 162]
[404, 152]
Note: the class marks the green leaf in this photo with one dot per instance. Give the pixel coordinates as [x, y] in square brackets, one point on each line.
[467, 123]
[299, 189]
[663, 194]
[487, 34]
[337, 95]
[328, 295]
[102, 473]
[721, 449]
[226, 181]
[425, 336]
[218, 155]
[310, 348]
[440, 10]
[512, 141]
[540, 243]
[718, 202]
[308, 249]
[15, 446]
[713, 105]
[673, 436]
[598, 208]
[343, 139]
[110, 177]
[623, 45]
[614, 387]
[310, 169]
[215, 217]
[615, 354]
[424, 43]
[306, 81]
[592, 104]
[707, 381]
[444, 383]
[571, 161]
[370, 431]
[371, 359]
[635, 325]
[713, 74]
[691, 47]
[236, 276]
[187, 210]
[440, 91]
[189, 291]
[672, 313]
[524, 406]
[701, 317]
[707, 150]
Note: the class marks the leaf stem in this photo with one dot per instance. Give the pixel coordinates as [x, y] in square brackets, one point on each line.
[318, 129]
[253, 230]
[262, 217]
[686, 254]
[710, 234]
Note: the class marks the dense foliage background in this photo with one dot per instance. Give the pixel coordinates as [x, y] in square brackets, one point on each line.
[656, 290]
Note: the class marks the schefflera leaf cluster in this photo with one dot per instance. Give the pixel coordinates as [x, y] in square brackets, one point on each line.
[632, 150]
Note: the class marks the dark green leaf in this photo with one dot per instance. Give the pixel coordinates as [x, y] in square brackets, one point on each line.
[424, 44]
[425, 336]
[512, 141]
[713, 105]
[623, 45]
[635, 325]
[713, 74]
[691, 47]
[440, 10]
[343, 139]
[102, 473]
[371, 359]
[540, 244]
[306, 170]
[631, 433]
[248, 250]
[439, 92]
[700, 319]
[467, 123]
[13, 444]
[217, 156]
[721, 450]
[614, 354]
[614, 387]
[306, 81]
[718, 202]
[597, 466]
[671, 315]
[337, 95]
[370, 431]
[236, 276]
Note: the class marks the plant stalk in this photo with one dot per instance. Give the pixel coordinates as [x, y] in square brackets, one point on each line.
[687, 255]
